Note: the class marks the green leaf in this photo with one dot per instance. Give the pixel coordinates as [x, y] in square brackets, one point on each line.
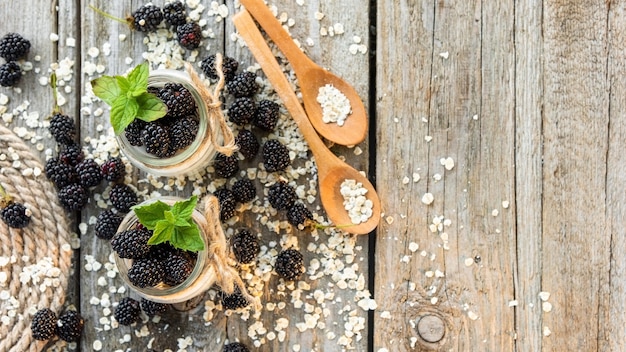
[138, 79]
[184, 209]
[106, 88]
[169, 217]
[123, 83]
[123, 112]
[188, 238]
[150, 107]
[150, 214]
[162, 232]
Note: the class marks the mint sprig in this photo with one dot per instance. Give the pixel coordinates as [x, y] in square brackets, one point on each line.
[129, 98]
[171, 223]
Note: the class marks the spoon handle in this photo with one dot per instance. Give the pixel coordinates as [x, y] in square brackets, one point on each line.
[252, 36]
[278, 34]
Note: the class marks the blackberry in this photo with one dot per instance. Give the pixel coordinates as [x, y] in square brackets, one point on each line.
[73, 196]
[174, 13]
[63, 129]
[227, 203]
[146, 272]
[156, 139]
[133, 132]
[10, 74]
[13, 47]
[89, 173]
[152, 308]
[226, 166]
[147, 18]
[122, 197]
[245, 246]
[107, 223]
[132, 244]
[178, 267]
[15, 215]
[189, 35]
[178, 99]
[183, 132]
[233, 301]
[229, 67]
[243, 85]
[71, 154]
[60, 173]
[289, 264]
[70, 326]
[161, 251]
[235, 347]
[241, 111]
[113, 169]
[127, 311]
[275, 156]
[247, 143]
[298, 214]
[281, 195]
[266, 116]
[43, 324]
[244, 190]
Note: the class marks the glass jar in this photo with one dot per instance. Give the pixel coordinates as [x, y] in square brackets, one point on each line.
[199, 281]
[192, 159]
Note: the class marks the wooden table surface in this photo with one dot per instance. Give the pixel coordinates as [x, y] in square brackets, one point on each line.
[508, 113]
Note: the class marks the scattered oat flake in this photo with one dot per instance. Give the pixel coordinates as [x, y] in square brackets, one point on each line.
[546, 331]
[546, 307]
[389, 219]
[495, 212]
[445, 54]
[428, 198]
[544, 296]
[469, 261]
[472, 315]
[513, 303]
[505, 204]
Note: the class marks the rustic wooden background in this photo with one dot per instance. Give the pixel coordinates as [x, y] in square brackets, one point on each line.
[522, 246]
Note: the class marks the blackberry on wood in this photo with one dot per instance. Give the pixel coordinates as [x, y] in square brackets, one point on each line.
[178, 267]
[242, 111]
[174, 13]
[70, 326]
[289, 264]
[63, 129]
[89, 173]
[71, 154]
[243, 84]
[15, 215]
[73, 196]
[60, 173]
[10, 74]
[156, 138]
[132, 244]
[146, 272]
[133, 132]
[113, 169]
[152, 308]
[267, 114]
[147, 18]
[234, 301]
[226, 166]
[107, 223]
[122, 197]
[235, 347]
[43, 325]
[244, 190]
[229, 67]
[247, 143]
[281, 195]
[189, 35]
[178, 99]
[275, 156]
[245, 246]
[13, 47]
[183, 132]
[298, 214]
[227, 203]
[127, 311]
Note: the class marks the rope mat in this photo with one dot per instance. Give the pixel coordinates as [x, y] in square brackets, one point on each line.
[40, 251]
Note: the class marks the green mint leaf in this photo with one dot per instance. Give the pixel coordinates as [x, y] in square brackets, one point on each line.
[184, 209]
[150, 214]
[162, 233]
[169, 217]
[180, 222]
[150, 107]
[123, 83]
[188, 238]
[138, 79]
[123, 112]
[106, 88]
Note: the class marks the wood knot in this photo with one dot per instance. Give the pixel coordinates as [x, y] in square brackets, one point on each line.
[431, 328]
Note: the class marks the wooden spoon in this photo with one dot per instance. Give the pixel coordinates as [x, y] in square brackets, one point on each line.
[330, 170]
[311, 77]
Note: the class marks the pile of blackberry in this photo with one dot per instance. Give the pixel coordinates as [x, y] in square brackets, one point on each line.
[68, 326]
[13, 47]
[174, 132]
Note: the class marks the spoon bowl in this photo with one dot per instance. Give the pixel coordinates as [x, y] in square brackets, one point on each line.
[311, 78]
[330, 169]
